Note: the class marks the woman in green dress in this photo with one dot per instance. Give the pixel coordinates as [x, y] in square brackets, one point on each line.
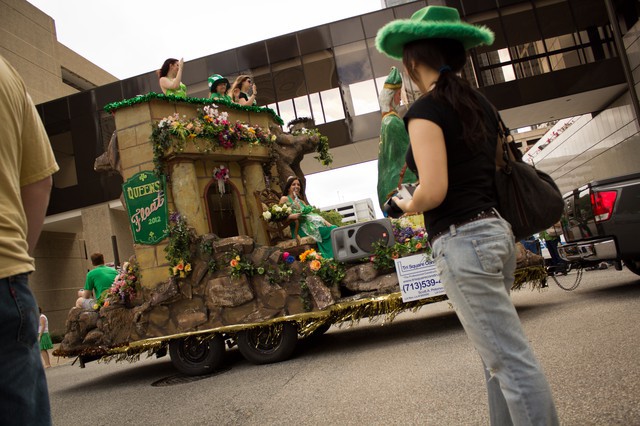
[311, 224]
[170, 78]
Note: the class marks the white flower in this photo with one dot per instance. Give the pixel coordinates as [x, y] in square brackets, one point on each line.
[266, 215]
[277, 208]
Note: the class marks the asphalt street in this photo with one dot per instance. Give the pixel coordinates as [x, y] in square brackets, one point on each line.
[418, 370]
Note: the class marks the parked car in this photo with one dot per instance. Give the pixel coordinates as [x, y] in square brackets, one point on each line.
[601, 222]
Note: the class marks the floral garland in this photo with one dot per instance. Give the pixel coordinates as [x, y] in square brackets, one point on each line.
[198, 101]
[208, 131]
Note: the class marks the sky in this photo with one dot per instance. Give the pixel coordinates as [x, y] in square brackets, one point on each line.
[133, 37]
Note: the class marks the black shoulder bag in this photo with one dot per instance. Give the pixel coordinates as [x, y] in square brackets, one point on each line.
[528, 198]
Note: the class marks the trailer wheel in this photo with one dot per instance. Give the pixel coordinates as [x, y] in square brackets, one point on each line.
[632, 265]
[195, 356]
[265, 345]
[320, 330]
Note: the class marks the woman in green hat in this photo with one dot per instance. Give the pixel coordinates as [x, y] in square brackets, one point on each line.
[218, 86]
[453, 134]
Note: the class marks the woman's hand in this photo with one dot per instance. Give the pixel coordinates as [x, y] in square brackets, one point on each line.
[294, 216]
[403, 204]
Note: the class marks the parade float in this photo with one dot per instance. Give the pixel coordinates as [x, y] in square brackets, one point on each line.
[216, 264]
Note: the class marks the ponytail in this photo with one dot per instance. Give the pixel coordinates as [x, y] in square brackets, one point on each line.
[448, 57]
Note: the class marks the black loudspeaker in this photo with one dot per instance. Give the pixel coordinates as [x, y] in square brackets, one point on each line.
[356, 241]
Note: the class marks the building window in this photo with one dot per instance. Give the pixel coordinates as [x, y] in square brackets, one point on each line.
[62, 146]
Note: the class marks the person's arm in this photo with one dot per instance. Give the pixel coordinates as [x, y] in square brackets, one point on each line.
[35, 199]
[430, 155]
[41, 328]
[166, 83]
[88, 286]
[292, 216]
[251, 99]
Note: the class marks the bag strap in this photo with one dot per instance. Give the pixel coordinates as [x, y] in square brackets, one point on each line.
[402, 172]
[504, 155]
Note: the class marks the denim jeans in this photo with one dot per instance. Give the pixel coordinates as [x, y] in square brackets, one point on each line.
[476, 263]
[24, 398]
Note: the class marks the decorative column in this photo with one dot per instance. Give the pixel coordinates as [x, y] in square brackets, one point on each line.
[187, 197]
[254, 181]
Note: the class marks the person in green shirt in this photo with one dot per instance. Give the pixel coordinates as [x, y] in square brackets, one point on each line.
[170, 78]
[218, 86]
[99, 278]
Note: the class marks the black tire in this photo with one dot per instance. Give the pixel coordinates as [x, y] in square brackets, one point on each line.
[320, 330]
[633, 265]
[195, 356]
[266, 345]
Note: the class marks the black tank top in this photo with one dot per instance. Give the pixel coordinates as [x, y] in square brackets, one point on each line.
[471, 173]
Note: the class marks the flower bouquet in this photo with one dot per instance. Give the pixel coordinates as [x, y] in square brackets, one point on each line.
[221, 175]
[277, 212]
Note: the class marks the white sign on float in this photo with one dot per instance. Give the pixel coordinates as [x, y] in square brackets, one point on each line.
[418, 278]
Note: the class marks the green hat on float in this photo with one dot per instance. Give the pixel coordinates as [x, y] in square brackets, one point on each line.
[394, 80]
[430, 22]
[216, 79]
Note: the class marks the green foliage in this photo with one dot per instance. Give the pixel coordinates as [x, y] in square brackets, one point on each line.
[331, 272]
[324, 156]
[383, 257]
[189, 100]
[240, 266]
[179, 248]
[305, 296]
[331, 216]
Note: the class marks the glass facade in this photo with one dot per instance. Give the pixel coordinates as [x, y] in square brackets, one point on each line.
[334, 74]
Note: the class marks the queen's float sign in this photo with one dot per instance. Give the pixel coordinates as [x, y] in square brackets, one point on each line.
[147, 207]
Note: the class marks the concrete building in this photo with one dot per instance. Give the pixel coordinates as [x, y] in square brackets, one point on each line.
[50, 69]
[354, 211]
[551, 60]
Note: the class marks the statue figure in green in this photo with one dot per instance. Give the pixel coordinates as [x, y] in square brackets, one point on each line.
[394, 140]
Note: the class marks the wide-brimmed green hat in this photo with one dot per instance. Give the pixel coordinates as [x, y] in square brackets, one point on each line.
[430, 22]
[216, 79]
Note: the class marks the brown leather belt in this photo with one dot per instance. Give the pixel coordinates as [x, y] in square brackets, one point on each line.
[484, 214]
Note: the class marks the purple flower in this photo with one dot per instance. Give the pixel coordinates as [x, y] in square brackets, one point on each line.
[290, 259]
[174, 217]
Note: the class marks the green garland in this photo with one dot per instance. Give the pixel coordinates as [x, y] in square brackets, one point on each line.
[198, 101]
[325, 158]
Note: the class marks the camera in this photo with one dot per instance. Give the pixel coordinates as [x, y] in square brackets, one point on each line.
[390, 208]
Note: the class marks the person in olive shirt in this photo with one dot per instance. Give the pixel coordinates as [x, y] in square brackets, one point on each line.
[99, 278]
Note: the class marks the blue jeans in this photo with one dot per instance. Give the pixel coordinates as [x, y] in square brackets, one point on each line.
[24, 398]
[476, 263]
